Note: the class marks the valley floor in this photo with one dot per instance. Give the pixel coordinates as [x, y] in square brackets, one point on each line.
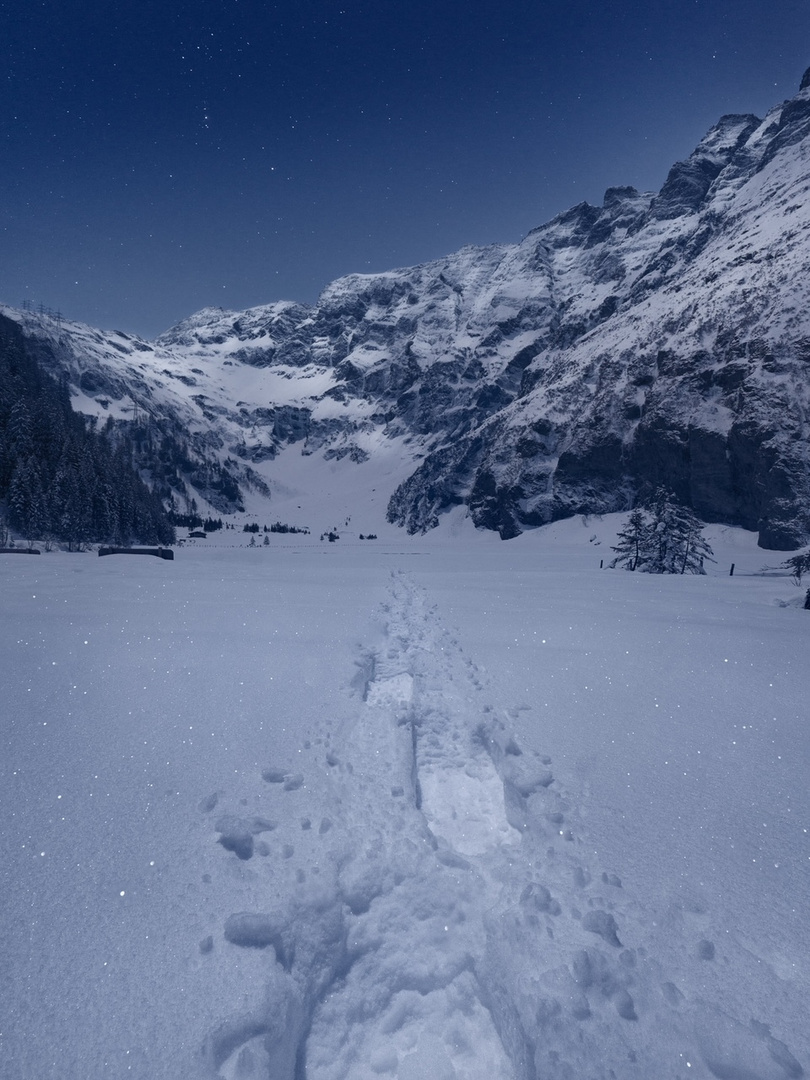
[403, 809]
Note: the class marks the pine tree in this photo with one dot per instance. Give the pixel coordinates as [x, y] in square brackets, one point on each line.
[663, 551]
[65, 509]
[695, 548]
[19, 497]
[37, 513]
[18, 431]
[633, 542]
[677, 545]
[798, 565]
[667, 538]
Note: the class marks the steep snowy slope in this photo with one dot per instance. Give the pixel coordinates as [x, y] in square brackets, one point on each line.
[657, 338]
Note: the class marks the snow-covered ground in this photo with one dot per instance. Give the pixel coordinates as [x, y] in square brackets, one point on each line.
[408, 808]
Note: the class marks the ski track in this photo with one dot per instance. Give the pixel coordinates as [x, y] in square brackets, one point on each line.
[459, 925]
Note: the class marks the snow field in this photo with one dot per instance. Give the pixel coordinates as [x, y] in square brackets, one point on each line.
[345, 813]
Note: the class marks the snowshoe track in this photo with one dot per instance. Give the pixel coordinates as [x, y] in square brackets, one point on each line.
[460, 928]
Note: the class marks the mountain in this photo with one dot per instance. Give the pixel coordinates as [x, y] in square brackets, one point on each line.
[661, 338]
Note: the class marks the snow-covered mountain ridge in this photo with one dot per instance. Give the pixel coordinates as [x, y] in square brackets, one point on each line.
[659, 338]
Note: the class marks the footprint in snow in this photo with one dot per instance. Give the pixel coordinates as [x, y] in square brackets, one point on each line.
[237, 834]
[289, 781]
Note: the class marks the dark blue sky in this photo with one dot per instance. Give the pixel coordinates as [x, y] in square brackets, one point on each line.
[159, 156]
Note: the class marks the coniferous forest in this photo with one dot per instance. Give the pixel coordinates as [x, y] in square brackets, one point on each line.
[60, 478]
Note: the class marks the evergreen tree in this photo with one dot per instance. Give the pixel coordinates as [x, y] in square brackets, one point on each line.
[66, 518]
[677, 545]
[665, 539]
[18, 430]
[18, 497]
[798, 565]
[696, 550]
[633, 543]
[26, 502]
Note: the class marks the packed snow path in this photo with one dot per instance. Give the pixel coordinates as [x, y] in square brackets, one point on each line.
[461, 928]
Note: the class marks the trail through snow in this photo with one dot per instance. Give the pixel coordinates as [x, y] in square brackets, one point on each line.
[465, 929]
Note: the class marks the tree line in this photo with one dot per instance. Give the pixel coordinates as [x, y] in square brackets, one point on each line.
[60, 478]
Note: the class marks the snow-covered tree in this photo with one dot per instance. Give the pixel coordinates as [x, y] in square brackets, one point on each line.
[26, 503]
[695, 548]
[665, 539]
[677, 545]
[798, 565]
[633, 542]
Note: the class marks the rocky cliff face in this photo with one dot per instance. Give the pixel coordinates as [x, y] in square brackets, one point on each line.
[659, 338]
[672, 348]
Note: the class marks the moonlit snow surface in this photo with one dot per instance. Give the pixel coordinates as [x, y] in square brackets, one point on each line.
[412, 809]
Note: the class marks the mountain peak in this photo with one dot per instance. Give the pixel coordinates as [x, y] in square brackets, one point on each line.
[615, 196]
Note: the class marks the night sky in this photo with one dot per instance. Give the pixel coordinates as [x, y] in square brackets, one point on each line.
[160, 156]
